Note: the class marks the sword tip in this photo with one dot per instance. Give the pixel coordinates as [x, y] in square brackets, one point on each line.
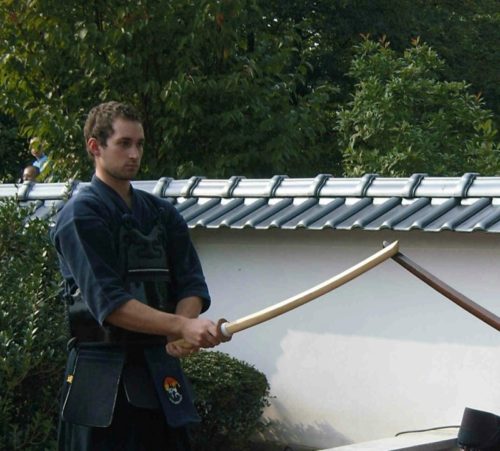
[394, 245]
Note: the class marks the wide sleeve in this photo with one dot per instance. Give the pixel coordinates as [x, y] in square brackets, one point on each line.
[187, 273]
[84, 240]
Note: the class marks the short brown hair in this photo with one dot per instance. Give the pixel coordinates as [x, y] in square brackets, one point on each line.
[99, 123]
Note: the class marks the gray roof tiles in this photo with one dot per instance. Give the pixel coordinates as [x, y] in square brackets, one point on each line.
[461, 204]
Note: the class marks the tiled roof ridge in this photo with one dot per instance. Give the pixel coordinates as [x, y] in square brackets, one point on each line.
[280, 186]
[469, 203]
[328, 186]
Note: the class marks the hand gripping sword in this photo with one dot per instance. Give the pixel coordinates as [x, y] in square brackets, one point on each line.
[227, 328]
[458, 298]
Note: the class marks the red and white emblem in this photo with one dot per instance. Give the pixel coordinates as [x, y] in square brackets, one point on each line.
[172, 387]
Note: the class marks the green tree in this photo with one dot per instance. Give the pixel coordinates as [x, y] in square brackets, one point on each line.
[405, 118]
[217, 86]
[32, 331]
[465, 34]
[13, 152]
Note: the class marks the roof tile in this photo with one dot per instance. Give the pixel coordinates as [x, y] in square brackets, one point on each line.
[462, 204]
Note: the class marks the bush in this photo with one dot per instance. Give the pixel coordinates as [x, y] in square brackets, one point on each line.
[230, 396]
[31, 332]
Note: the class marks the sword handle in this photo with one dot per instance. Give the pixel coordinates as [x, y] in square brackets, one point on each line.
[222, 331]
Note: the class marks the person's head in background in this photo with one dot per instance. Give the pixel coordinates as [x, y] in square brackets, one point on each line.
[30, 173]
[37, 148]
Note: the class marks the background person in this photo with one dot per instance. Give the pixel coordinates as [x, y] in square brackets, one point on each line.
[37, 149]
[30, 173]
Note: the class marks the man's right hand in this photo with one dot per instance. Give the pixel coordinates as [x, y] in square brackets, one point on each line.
[200, 332]
[138, 317]
[196, 333]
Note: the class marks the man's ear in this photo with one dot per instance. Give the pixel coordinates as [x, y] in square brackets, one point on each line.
[93, 147]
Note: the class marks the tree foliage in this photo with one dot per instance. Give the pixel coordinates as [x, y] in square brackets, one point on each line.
[405, 118]
[13, 153]
[217, 88]
[465, 34]
[32, 331]
[227, 87]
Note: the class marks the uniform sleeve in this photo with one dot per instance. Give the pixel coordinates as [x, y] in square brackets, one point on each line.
[187, 274]
[85, 243]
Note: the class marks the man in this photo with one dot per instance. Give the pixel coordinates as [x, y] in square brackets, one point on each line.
[30, 173]
[133, 282]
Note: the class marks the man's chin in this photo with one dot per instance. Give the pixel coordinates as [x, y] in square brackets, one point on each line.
[131, 173]
[125, 174]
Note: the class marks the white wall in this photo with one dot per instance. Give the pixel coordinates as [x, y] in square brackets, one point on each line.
[382, 354]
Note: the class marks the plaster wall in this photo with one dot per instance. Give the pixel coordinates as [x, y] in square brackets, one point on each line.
[382, 354]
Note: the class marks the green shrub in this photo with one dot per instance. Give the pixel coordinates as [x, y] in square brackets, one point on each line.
[230, 396]
[31, 332]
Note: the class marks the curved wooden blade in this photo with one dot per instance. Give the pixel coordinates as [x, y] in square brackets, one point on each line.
[312, 293]
[458, 298]
[227, 329]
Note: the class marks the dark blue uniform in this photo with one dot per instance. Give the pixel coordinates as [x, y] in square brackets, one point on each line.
[122, 391]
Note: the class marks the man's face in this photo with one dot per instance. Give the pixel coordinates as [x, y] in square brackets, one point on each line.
[29, 174]
[121, 157]
[36, 147]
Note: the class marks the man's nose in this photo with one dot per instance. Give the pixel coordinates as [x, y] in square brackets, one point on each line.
[134, 152]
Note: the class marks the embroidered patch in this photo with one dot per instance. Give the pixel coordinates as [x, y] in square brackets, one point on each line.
[172, 387]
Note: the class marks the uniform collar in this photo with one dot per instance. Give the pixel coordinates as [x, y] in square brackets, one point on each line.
[104, 188]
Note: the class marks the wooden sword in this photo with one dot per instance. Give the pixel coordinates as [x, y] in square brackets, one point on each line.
[458, 298]
[228, 328]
